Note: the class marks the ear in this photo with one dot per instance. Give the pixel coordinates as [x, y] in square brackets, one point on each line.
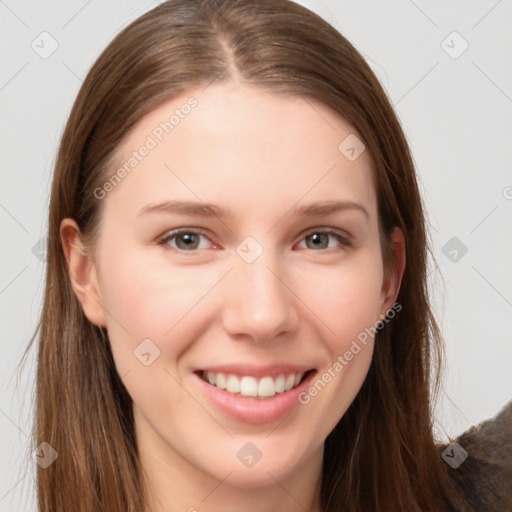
[393, 279]
[82, 272]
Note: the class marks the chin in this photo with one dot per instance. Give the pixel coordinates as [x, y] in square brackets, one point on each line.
[257, 461]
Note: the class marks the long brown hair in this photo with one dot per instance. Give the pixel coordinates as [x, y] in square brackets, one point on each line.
[382, 455]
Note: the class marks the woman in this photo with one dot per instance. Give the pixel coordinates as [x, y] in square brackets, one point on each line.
[236, 313]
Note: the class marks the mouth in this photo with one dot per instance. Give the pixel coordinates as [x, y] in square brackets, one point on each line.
[249, 386]
[254, 395]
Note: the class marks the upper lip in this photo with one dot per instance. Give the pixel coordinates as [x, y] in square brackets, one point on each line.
[242, 369]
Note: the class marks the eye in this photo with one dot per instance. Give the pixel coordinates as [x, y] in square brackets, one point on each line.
[189, 240]
[185, 240]
[321, 239]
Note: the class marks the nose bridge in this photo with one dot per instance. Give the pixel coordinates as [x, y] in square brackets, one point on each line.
[259, 304]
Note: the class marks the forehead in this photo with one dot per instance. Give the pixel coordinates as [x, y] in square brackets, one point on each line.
[230, 138]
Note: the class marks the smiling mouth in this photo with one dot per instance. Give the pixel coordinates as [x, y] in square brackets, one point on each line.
[248, 386]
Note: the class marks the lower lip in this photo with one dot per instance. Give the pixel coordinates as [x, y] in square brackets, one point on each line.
[255, 410]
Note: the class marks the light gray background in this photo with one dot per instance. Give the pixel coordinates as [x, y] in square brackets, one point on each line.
[456, 113]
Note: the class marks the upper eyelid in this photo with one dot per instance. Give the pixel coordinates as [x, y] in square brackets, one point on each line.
[331, 231]
[169, 235]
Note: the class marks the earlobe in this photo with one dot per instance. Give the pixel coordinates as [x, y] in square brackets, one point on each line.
[393, 280]
[82, 273]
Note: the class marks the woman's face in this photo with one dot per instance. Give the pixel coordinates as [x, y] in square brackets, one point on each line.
[272, 282]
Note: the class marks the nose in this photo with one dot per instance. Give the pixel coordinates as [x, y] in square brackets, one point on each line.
[260, 304]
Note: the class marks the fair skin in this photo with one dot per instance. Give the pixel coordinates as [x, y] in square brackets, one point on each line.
[300, 303]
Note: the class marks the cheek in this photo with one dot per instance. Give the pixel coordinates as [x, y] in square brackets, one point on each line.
[347, 298]
[348, 302]
[152, 301]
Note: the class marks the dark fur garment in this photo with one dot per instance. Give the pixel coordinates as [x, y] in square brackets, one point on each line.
[485, 477]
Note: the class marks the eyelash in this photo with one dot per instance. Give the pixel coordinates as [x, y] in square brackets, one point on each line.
[164, 241]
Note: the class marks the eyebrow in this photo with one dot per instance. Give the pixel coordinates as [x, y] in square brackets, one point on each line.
[201, 209]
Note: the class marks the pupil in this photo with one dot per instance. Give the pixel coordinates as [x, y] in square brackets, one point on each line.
[187, 240]
[319, 239]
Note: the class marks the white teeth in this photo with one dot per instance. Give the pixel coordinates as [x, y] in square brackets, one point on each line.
[249, 386]
[290, 381]
[252, 387]
[233, 384]
[266, 387]
[280, 382]
[221, 381]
